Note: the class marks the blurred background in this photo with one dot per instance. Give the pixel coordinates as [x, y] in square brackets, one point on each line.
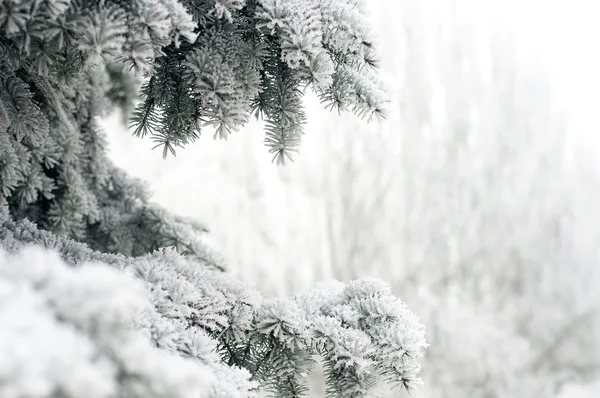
[477, 199]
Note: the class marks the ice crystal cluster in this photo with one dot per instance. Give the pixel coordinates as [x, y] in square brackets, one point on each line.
[125, 299]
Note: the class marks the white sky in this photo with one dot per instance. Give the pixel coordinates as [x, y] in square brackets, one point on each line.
[567, 36]
[562, 37]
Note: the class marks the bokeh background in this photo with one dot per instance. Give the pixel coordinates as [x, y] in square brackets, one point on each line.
[477, 199]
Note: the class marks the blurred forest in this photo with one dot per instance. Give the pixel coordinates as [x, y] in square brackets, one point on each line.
[476, 199]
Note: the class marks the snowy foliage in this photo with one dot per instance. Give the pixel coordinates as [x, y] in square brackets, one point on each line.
[69, 332]
[205, 62]
[141, 300]
[54, 171]
[364, 333]
[65, 63]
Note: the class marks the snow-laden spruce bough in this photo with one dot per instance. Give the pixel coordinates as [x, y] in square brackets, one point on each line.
[126, 299]
[162, 325]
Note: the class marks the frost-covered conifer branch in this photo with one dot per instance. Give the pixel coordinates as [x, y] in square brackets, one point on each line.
[206, 62]
[88, 331]
[362, 331]
[64, 63]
